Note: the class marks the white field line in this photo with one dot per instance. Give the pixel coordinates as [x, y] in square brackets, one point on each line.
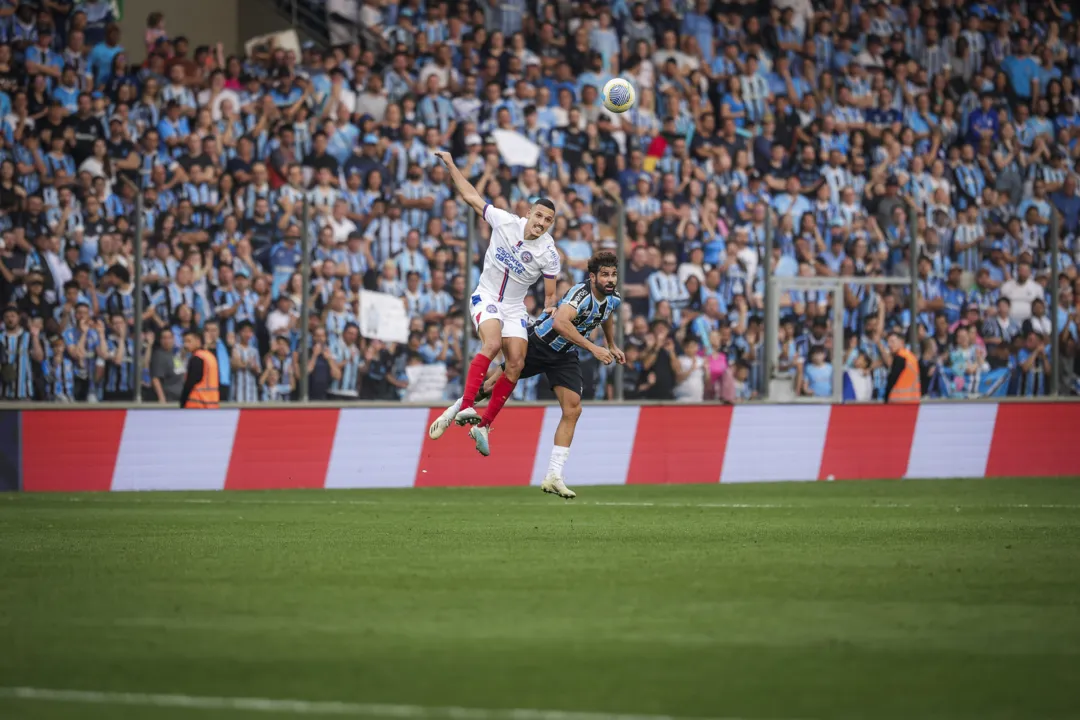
[310, 707]
[238, 499]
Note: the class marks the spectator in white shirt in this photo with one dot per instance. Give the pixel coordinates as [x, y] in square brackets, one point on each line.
[281, 319]
[690, 373]
[1022, 291]
[338, 221]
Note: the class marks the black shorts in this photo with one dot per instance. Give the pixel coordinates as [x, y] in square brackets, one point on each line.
[561, 368]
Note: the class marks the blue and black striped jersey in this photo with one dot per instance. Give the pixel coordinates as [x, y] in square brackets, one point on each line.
[590, 314]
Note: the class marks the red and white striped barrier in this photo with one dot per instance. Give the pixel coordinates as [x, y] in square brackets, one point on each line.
[97, 450]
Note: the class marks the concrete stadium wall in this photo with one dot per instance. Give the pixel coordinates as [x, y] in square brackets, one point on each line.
[203, 22]
[248, 449]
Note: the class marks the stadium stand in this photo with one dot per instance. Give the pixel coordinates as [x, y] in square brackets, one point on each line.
[849, 125]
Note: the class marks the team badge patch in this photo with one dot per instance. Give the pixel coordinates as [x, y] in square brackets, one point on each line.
[492, 309]
[526, 256]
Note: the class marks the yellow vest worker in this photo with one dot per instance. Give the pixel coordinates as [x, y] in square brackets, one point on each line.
[903, 385]
[201, 389]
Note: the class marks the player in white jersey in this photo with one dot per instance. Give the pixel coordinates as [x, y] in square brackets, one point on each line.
[520, 252]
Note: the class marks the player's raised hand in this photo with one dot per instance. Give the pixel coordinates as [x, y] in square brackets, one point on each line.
[446, 157]
[602, 354]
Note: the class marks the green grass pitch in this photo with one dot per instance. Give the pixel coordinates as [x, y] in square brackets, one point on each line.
[919, 599]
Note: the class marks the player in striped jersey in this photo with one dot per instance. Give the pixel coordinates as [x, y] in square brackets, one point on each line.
[552, 351]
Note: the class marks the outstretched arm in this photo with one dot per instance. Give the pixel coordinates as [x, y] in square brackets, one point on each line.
[461, 184]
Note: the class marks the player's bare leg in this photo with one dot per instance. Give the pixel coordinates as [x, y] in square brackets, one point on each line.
[514, 352]
[491, 343]
[570, 404]
[443, 422]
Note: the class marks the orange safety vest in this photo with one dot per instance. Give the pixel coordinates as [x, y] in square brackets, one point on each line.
[908, 389]
[205, 395]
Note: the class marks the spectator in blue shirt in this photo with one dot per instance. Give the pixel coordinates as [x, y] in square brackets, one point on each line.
[100, 60]
[983, 122]
[1021, 69]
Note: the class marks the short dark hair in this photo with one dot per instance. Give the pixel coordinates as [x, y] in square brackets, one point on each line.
[545, 202]
[602, 259]
[194, 334]
[120, 272]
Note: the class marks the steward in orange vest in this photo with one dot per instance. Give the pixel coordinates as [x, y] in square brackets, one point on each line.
[903, 385]
[201, 384]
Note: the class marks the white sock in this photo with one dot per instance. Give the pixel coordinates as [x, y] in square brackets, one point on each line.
[558, 459]
[453, 409]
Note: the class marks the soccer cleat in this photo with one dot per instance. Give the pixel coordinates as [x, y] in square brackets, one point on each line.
[555, 485]
[441, 424]
[468, 416]
[480, 435]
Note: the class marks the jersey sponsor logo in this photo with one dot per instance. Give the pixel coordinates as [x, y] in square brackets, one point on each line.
[526, 256]
[507, 258]
[577, 297]
[492, 309]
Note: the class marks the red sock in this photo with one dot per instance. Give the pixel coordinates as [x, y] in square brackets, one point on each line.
[499, 395]
[475, 379]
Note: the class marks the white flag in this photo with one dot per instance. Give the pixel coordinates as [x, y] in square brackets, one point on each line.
[516, 149]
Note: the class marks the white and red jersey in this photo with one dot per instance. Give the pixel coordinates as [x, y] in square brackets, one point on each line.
[513, 264]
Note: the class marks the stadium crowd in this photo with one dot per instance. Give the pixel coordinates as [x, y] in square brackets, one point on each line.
[860, 132]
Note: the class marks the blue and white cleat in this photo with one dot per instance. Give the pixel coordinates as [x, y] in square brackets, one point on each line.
[480, 435]
[468, 416]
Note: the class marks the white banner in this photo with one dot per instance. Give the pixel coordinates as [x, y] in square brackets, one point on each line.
[383, 317]
[516, 149]
[427, 383]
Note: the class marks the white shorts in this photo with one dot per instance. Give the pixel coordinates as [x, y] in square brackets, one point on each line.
[514, 319]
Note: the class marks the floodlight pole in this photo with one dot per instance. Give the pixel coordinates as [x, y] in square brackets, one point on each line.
[305, 302]
[913, 260]
[620, 259]
[466, 312]
[768, 351]
[1055, 330]
[838, 343]
[139, 300]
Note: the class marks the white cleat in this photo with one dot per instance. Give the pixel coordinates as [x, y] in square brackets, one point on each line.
[556, 486]
[468, 416]
[441, 425]
[480, 435]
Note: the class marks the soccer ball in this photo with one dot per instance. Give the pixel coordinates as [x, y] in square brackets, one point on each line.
[619, 95]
